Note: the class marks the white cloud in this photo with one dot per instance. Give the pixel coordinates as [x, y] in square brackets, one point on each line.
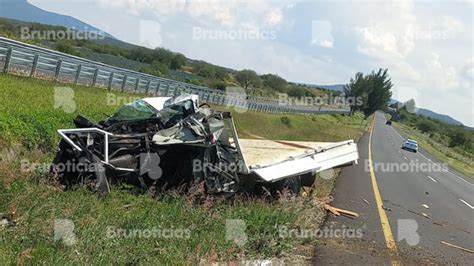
[135, 7]
[273, 17]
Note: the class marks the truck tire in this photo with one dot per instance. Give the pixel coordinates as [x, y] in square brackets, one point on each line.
[291, 184]
[308, 179]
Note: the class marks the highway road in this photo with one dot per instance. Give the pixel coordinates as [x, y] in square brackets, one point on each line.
[406, 212]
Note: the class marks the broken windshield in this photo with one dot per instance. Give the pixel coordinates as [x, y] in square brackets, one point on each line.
[141, 110]
[136, 110]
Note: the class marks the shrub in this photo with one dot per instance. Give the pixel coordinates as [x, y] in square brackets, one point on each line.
[66, 47]
[426, 126]
[459, 138]
[286, 121]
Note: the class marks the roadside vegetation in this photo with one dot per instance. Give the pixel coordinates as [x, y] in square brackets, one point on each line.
[448, 143]
[29, 119]
[163, 63]
[369, 93]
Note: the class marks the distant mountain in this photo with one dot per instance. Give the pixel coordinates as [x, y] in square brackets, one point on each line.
[428, 113]
[335, 87]
[440, 117]
[22, 10]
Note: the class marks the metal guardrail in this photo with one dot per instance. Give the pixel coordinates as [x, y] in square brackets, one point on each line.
[36, 61]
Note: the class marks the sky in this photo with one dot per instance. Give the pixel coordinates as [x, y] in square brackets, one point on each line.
[427, 46]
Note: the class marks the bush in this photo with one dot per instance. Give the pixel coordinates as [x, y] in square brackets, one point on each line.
[459, 138]
[426, 126]
[218, 85]
[66, 47]
[286, 121]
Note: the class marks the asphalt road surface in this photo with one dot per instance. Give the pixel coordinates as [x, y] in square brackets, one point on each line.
[424, 204]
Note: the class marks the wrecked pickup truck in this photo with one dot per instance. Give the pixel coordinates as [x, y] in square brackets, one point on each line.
[165, 142]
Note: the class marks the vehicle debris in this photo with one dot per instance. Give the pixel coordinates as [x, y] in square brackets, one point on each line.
[6, 221]
[338, 211]
[166, 142]
[443, 224]
[458, 247]
[420, 214]
[366, 201]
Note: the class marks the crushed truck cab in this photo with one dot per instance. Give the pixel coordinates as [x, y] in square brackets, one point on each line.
[162, 141]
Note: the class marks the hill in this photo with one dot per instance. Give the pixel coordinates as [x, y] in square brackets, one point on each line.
[335, 87]
[22, 10]
[430, 114]
[440, 117]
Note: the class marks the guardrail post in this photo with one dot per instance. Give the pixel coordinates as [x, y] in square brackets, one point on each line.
[137, 82]
[148, 86]
[167, 89]
[124, 82]
[157, 90]
[78, 74]
[34, 66]
[8, 59]
[58, 69]
[111, 80]
[94, 78]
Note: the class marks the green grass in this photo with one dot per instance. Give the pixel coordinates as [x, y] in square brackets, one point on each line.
[29, 115]
[440, 151]
[301, 127]
[28, 124]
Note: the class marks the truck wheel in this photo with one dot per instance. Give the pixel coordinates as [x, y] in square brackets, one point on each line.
[308, 179]
[291, 184]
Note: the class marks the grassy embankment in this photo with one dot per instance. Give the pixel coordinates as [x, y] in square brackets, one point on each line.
[28, 124]
[459, 161]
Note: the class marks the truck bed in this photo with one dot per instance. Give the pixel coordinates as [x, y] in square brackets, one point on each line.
[263, 152]
[274, 160]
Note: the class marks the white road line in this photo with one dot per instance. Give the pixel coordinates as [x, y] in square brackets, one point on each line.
[432, 179]
[470, 206]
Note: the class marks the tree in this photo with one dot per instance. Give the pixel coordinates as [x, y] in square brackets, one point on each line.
[247, 78]
[178, 61]
[369, 93]
[219, 85]
[426, 126]
[274, 81]
[379, 87]
[66, 46]
[295, 91]
[157, 69]
[459, 138]
[354, 90]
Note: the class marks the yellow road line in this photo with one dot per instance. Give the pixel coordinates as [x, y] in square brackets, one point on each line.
[387, 232]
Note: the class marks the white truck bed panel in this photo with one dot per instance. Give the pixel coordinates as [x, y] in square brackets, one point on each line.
[275, 160]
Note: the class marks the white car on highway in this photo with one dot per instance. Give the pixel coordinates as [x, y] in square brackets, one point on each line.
[410, 144]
